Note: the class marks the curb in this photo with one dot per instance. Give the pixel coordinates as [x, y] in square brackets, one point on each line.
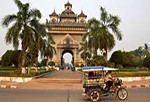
[41, 75]
[137, 86]
[57, 81]
[8, 87]
[17, 87]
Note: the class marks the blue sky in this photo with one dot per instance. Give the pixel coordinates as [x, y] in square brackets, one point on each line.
[134, 14]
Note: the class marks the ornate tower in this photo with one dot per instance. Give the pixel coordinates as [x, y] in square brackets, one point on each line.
[67, 30]
[53, 17]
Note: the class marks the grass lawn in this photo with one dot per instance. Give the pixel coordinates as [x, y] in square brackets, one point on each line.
[130, 73]
[13, 72]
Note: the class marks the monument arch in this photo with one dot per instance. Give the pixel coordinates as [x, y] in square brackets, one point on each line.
[67, 29]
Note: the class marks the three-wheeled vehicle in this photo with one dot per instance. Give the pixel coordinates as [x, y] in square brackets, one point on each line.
[94, 85]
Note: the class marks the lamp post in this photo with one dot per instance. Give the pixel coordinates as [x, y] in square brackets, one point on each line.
[87, 40]
[102, 51]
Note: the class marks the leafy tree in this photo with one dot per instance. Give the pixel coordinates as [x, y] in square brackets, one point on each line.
[129, 60]
[15, 57]
[146, 50]
[142, 51]
[146, 62]
[0, 62]
[10, 58]
[25, 27]
[139, 52]
[117, 57]
[6, 58]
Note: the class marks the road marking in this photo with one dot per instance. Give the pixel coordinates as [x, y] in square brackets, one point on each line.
[68, 95]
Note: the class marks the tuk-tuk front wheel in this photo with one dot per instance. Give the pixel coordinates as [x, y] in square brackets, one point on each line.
[95, 95]
[122, 94]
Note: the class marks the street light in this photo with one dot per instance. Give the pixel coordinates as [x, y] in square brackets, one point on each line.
[87, 39]
[102, 51]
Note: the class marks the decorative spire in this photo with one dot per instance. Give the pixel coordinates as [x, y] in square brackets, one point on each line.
[54, 13]
[82, 14]
[68, 4]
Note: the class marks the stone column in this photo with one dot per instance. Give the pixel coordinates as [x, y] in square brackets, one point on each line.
[75, 56]
[59, 56]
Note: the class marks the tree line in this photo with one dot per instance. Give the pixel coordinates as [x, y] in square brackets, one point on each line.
[137, 58]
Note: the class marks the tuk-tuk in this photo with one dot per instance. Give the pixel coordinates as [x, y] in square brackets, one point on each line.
[94, 85]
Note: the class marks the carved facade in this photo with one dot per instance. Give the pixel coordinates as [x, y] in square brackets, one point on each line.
[67, 30]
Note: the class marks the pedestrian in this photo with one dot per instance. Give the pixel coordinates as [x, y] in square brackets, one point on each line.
[73, 69]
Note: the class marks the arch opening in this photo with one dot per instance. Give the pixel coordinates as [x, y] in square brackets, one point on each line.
[67, 59]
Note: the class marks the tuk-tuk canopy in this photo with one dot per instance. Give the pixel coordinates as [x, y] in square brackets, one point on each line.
[97, 68]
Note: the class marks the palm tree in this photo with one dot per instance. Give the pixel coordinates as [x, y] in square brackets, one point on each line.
[93, 28]
[25, 27]
[85, 51]
[101, 32]
[146, 50]
[49, 49]
[109, 27]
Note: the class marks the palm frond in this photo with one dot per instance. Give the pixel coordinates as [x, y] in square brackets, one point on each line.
[103, 15]
[19, 4]
[8, 19]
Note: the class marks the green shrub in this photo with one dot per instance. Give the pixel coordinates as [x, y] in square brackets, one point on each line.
[82, 65]
[77, 65]
[43, 62]
[51, 63]
[98, 60]
[110, 64]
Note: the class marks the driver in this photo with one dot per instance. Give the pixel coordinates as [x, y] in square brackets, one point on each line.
[108, 80]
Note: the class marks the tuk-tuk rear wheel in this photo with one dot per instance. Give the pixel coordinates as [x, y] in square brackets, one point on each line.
[95, 95]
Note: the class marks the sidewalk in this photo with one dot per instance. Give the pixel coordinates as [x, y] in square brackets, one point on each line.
[63, 80]
[35, 85]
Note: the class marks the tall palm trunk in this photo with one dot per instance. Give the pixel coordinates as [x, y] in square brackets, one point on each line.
[105, 53]
[94, 51]
[22, 61]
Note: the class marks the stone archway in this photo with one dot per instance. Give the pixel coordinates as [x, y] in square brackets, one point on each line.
[67, 30]
[67, 44]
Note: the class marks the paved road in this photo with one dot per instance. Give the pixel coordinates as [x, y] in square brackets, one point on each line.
[13, 95]
[64, 74]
